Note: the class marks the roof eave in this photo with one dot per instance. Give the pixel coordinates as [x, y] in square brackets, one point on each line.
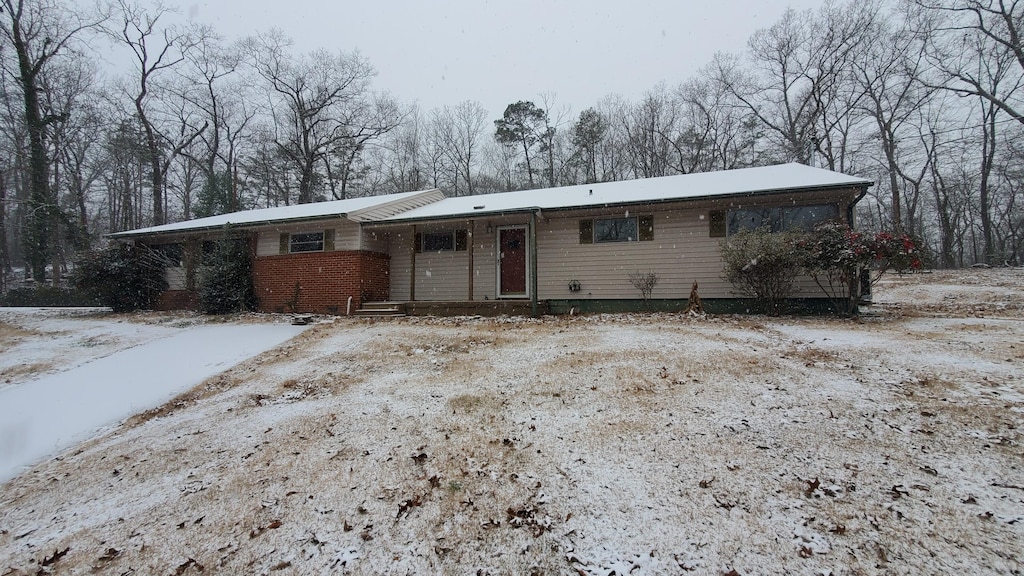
[228, 225]
[863, 186]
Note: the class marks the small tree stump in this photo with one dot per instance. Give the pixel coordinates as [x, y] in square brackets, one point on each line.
[694, 306]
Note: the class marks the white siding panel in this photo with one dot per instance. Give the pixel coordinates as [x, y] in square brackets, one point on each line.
[346, 235]
[268, 243]
[175, 277]
[386, 210]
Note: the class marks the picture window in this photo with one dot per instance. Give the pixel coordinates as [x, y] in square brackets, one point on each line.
[780, 218]
[615, 230]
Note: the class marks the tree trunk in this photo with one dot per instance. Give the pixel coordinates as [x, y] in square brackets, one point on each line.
[155, 166]
[988, 151]
[35, 238]
[5, 254]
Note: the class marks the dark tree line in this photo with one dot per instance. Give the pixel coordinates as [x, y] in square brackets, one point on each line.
[922, 96]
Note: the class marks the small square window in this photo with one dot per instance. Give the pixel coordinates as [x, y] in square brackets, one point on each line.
[306, 242]
[615, 230]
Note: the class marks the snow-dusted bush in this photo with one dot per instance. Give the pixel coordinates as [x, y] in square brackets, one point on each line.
[225, 281]
[834, 255]
[762, 265]
[645, 283]
[125, 277]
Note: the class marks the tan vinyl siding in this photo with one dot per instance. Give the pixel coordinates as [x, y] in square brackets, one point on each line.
[374, 241]
[346, 235]
[442, 276]
[400, 246]
[682, 252]
[448, 271]
[484, 264]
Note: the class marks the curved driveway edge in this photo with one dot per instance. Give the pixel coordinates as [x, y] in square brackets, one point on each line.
[44, 416]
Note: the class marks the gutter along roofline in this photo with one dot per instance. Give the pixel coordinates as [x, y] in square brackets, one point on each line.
[130, 234]
[397, 220]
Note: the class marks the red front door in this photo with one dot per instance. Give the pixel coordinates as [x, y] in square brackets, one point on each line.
[512, 261]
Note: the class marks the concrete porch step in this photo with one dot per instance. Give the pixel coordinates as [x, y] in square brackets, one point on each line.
[381, 309]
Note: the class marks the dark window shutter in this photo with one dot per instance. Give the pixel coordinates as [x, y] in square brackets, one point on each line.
[418, 240]
[329, 240]
[461, 240]
[586, 231]
[646, 224]
[284, 241]
[716, 221]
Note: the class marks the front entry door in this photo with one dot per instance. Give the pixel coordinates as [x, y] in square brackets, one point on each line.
[512, 262]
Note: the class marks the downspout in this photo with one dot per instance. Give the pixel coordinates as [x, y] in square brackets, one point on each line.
[857, 290]
[469, 256]
[412, 266]
[533, 262]
[850, 208]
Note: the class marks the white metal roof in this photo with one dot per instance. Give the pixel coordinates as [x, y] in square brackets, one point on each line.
[432, 205]
[358, 209]
[745, 181]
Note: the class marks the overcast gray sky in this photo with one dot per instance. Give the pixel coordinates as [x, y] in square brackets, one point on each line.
[497, 52]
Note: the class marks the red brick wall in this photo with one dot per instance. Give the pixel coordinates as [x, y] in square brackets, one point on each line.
[325, 281]
[177, 300]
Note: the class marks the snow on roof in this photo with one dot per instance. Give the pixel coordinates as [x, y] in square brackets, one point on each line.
[348, 208]
[745, 181]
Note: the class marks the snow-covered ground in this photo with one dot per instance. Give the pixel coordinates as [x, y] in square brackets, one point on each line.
[43, 415]
[639, 444]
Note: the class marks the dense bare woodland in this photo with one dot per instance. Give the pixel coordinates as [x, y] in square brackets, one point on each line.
[922, 96]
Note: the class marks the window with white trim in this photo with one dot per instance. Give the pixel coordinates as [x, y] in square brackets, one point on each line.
[306, 242]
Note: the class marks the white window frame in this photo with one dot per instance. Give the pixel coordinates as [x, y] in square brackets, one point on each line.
[292, 242]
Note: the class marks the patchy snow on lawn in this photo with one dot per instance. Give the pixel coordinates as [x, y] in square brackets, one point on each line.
[40, 341]
[41, 416]
[625, 444]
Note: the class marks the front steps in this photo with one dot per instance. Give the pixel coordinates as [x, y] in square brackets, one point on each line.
[381, 310]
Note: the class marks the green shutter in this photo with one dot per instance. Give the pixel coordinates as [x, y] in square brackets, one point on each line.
[586, 231]
[646, 224]
[418, 239]
[461, 240]
[329, 240]
[283, 246]
[716, 222]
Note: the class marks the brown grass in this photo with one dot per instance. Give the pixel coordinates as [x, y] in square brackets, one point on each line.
[10, 333]
[20, 370]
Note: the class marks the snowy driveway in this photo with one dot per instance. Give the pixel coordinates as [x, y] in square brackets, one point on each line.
[41, 417]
